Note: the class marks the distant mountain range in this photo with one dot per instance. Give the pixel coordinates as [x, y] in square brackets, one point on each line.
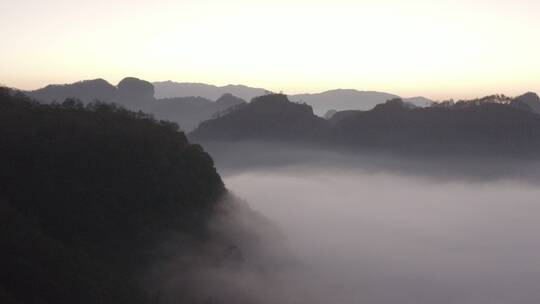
[136, 94]
[339, 99]
[188, 104]
[274, 116]
[351, 100]
[489, 126]
[169, 89]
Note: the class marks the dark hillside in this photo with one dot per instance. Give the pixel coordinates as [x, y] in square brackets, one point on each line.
[85, 194]
[268, 117]
[489, 128]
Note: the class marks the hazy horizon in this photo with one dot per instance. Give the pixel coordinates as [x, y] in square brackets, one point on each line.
[455, 97]
[437, 49]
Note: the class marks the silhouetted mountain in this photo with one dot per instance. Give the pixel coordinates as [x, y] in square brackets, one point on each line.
[477, 127]
[350, 100]
[136, 94]
[86, 91]
[321, 102]
[130, 92]
[528, 101]
[268, 117]
[169, 89]
[86, 195]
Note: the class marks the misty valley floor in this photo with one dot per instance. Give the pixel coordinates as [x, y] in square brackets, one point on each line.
[361, 237]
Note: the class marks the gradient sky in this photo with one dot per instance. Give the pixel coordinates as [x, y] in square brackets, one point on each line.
[437, 48]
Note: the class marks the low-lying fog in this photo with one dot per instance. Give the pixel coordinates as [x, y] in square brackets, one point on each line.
[357, 235]
[362, 238]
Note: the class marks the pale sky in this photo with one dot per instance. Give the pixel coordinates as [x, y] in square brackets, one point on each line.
[437, 48]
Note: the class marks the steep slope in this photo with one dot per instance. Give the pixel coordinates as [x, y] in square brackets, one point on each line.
[86, 193]
[268, 117]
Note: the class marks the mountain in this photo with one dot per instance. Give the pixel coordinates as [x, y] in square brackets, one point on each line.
[342, 100]
[478, 127]
[136, 94]
[528, 101]
[268, 117]
[350, 100]
[88, 194]
[132, 93]
[169, 89]
[339, 100]
[488, 128]
[86, 91]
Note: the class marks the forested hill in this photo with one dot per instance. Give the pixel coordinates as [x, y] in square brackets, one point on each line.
[488, 126]
[267, 117]
[475, 129]
[85, 194]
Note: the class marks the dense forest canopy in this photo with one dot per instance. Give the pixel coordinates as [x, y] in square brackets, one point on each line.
[86, 192]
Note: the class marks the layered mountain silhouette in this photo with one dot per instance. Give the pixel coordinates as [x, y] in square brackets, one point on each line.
[196, 98]
[169, 89]
[136, 94]
[354, 118]
[483, 126]
[339, 100]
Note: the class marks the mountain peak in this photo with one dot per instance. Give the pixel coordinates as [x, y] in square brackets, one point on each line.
[528, 101]
[135, 88]
[266, 117]
[529, 97]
